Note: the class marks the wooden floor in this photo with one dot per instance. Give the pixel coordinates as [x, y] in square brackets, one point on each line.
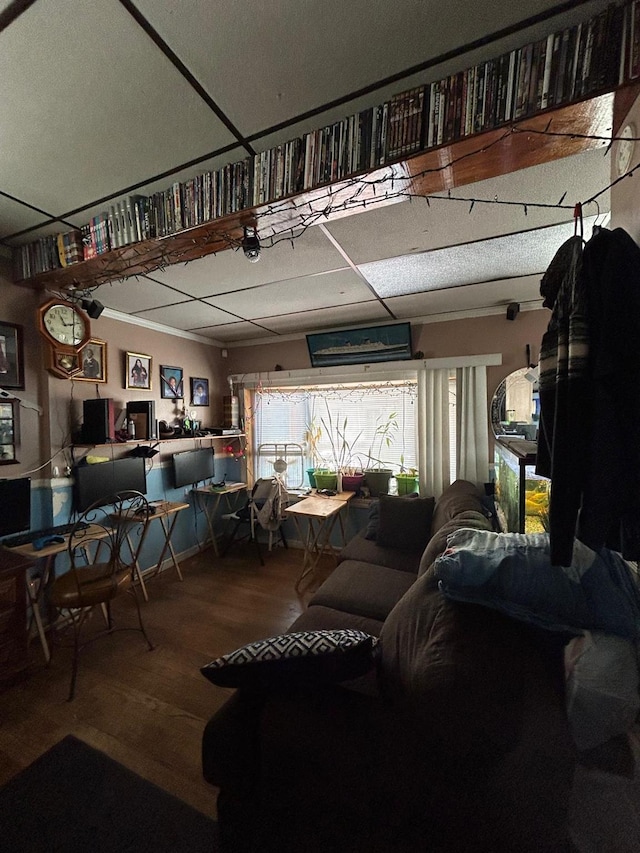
[148, 709]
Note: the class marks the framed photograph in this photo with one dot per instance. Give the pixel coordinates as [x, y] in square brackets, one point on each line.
[171, 382]
[93, 362]
[137, 370]
[199, 392]
[359, 346]
[11, 356]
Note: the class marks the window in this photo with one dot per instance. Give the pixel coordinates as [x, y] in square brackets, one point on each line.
[370, 424]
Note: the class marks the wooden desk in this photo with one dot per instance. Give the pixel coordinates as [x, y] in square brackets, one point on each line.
[209, 501]
[164, 510]
[14, 638]
[37, 585]
[321, 513]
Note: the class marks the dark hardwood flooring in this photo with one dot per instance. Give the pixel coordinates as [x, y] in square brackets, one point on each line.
[148, 709]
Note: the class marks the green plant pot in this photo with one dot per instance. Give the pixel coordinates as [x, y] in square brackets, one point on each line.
[326, 480]
[311, 477]
[407, 484]
[378, 481]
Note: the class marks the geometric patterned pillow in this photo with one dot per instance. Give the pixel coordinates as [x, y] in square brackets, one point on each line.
[325, 656]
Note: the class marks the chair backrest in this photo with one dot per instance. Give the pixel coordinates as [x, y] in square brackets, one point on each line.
[268, 499]
[105, 524]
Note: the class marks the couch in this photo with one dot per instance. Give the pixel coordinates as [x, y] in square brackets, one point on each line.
[454, 739]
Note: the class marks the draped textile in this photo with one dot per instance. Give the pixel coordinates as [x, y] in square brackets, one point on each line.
[433, 431]
[472, 453]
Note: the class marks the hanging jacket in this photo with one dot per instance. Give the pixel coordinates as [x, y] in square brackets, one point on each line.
[564, 395]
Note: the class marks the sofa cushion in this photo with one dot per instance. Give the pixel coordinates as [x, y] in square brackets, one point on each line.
[366, 551]
[468, 519]
[324, 656]
[363, 589]
[320, 618]
[405, 524]
[460, 496]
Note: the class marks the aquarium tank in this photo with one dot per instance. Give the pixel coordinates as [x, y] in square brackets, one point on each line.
[521, 495]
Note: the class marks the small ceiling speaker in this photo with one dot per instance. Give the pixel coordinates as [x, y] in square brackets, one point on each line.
[513, 309]
[93, 308]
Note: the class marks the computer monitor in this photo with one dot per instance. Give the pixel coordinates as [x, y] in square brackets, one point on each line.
[191, 466]
[100, 480]
[15, 500]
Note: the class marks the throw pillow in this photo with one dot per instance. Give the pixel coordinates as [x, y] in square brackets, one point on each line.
[512, 572]
[405, 522]
[374, 520]
[302, 656]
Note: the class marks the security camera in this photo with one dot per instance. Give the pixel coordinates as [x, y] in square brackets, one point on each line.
[251, 246]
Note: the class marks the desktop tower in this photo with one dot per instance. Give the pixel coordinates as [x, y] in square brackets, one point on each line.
[143, 415]
[98, 421]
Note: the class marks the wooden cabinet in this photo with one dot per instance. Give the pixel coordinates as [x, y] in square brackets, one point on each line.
[13, 614]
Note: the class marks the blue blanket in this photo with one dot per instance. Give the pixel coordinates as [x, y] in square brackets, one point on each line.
[512, 572]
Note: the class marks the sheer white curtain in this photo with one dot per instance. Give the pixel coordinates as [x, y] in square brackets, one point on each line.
[472, 452]
[433, 430]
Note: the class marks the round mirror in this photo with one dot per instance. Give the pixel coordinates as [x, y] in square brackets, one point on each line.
[515, 408]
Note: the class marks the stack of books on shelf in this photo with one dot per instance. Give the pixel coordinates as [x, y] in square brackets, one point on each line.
[589, 58]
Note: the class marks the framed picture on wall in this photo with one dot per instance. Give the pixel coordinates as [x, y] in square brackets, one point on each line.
[11, 356]
[171, 382]
[199, 392]
[93, 362]
[137, 370]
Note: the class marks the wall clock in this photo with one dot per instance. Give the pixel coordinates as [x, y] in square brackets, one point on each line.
[64, 325]
[624, 153]
[64, 365]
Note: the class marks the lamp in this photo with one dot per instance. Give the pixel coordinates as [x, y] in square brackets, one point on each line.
[93, 308]
[251, 246]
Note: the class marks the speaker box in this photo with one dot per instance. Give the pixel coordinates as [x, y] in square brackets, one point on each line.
[143, 414]
[98, 421]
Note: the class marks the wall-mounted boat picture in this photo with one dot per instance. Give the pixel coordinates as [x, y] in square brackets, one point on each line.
[360, 346]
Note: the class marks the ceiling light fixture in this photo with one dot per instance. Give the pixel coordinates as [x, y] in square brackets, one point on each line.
[251, 246]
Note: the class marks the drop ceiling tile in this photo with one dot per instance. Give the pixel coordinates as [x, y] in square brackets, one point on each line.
[486, 295]
[414, 226]
[15, 217]
[325, 318]
[100, 108]
[526, 253]
[135, 294]
[190, 316]
[286, 297]
[228, 271]
[235, 332]
[239, 57]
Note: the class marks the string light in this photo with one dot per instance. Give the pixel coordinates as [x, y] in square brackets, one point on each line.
[149, 258]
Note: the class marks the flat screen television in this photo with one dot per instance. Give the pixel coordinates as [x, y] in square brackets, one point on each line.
[101, 480]
[360, 346]
[191, 466]
[15, 500]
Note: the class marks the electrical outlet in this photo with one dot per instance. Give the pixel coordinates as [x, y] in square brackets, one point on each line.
[187, 492]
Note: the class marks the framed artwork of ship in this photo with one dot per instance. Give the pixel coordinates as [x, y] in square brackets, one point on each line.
[360, 346]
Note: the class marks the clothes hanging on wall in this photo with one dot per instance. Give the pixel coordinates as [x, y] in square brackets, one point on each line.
[589, 437]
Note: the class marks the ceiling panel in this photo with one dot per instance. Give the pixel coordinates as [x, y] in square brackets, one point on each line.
[236, 50]
[324, 318]
[285, 297]
[503, 257]
[489, 295]
[14, 217]
[190, 316]
[415, 226]
[136, 294]
[234, 332]
[99, 109]
[227, 271]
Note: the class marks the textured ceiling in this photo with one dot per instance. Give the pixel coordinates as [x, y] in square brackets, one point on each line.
[106, 97]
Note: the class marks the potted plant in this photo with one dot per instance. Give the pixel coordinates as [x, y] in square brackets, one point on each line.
[312, 436]
[407, 480]
[342, 458]
[377, 474]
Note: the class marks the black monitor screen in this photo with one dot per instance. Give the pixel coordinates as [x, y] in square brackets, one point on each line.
[191, 466]
[15, 500]
[101, 480]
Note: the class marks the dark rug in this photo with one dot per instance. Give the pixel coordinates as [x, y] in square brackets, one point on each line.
[75, 799]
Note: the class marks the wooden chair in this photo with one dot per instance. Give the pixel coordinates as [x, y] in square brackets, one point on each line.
[102, 564]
